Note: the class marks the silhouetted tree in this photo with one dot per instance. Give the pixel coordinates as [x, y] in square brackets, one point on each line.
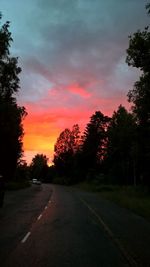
[121, 142]
[39, 167]
[22, 172]
[50, 175]
[138, 55]
[65, 150]
[94, 142]
[75, 137]
[11, 115]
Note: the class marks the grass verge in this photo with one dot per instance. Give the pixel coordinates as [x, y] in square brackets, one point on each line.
[136, 199]
[17, 185]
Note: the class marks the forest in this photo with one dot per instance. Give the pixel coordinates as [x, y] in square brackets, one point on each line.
[111, 150]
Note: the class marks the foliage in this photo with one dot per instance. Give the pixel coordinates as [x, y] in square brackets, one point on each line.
[138, 51]
[138, 55]
[11, 115]
[39, 167]
[121, 138]
[50, 174]
[22, 172]
[113, 150]
[65, 151]
[94, 142]
[136, 199]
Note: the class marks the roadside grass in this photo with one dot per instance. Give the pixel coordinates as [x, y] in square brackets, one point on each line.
[136, 198]
[17, 185]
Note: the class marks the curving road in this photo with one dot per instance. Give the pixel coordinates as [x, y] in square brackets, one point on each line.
[58, 226]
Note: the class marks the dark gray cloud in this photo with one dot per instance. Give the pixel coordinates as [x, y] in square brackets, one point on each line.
[65, 41]
[86, 34]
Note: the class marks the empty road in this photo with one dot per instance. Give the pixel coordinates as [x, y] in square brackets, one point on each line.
[52, 225]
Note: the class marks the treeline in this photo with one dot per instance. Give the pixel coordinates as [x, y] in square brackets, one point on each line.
[110, 150]
[105, 152]
[115, 149]
[11, 114]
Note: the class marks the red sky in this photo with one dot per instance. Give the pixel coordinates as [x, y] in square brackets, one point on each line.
[43, 125]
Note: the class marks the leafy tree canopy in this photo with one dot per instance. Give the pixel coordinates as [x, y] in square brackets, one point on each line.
[94, 140]
[39, 167]
[138, 55]
[11, 115]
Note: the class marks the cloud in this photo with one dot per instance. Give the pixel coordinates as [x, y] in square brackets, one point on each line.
[78, 90]
[72, 55]
[43, 125]
[77, 41]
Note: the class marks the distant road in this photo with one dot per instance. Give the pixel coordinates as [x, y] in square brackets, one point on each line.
[58, 226]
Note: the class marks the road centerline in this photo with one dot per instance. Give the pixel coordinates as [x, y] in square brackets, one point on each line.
[39, 217]
[26, 237]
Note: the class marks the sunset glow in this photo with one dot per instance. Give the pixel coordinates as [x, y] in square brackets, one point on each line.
[43, 127]
[72, 55]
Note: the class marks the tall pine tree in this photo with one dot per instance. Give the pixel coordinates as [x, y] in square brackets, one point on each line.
[120, 148]
[94, 141]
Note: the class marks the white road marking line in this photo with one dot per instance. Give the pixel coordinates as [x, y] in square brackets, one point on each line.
[45, 207]
[39, 217]
[26, 237]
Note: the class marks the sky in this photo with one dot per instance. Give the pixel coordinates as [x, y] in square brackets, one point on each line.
[72, 54]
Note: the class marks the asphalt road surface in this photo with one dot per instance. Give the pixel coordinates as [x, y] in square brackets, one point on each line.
[58, 226]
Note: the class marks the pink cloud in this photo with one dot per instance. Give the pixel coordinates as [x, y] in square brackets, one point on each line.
[77, 89]
[62, 107]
